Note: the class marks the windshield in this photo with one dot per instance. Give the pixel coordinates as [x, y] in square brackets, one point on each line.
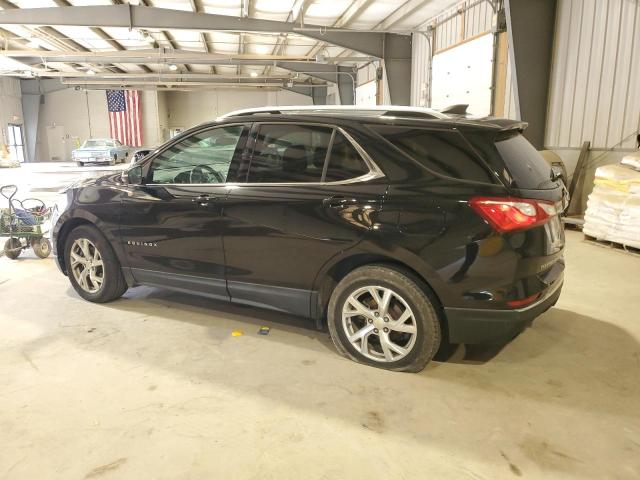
[98, 143]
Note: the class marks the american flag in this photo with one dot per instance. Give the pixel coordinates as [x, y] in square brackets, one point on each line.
[124, 116]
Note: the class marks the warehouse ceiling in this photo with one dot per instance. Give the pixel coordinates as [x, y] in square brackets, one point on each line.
[92, 51]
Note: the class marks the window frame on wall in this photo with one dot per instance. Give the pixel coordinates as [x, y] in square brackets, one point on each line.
[16, 150]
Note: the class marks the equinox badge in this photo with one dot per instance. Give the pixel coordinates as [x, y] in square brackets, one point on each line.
[142, 244]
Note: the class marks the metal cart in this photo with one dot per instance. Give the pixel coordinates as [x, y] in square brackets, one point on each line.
[24, 223]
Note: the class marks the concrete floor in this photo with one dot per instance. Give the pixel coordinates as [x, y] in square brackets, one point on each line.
[155, 386]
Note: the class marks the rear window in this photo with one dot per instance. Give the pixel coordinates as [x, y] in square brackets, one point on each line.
[443, 152]
[517, 161]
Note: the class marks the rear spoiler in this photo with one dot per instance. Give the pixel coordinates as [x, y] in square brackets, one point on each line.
[502, 124]
[457, 109]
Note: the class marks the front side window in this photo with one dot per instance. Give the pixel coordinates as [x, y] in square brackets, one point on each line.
[204, 157]
[289, 153]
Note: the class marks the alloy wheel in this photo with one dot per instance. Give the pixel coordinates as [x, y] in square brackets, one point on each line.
[379, 323]
[87, 265]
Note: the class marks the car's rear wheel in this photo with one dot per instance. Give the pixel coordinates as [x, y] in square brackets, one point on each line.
[80, 164]
[381, 316]
[92, 266]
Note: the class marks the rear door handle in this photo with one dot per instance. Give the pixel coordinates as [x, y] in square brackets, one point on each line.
[203, 200]
[337, 201]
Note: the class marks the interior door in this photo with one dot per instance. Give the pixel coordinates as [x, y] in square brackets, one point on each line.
[56, 143]
[171, 226]
[298, 209]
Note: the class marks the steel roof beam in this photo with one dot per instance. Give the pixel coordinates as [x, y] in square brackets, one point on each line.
[133, 16]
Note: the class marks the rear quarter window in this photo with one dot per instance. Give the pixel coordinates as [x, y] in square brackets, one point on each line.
[443, 152]
[515, 160]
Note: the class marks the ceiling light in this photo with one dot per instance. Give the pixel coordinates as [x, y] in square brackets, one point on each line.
[33, 43]
[262, 49]
[173, 67]
[91, 72]
[254, 74]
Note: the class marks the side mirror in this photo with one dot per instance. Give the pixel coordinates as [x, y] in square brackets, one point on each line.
[134, 175]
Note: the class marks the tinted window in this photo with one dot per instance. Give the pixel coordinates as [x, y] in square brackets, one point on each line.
[286, 153]
[527, 167]
[515, 160]
[446, 153]
[204, 157]
[344, 161]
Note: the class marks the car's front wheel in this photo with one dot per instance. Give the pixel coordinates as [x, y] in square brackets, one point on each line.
[381, 316]
[92, 266]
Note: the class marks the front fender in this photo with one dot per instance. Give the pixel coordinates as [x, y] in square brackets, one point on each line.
[74, 217]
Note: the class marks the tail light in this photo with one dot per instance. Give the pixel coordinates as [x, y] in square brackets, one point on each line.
[507, 214]
[523, 302]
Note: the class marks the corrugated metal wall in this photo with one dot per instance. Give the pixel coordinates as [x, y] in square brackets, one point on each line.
[595, 80]
[452, 27]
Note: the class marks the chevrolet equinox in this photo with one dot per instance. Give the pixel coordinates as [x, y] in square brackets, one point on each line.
[396, 228]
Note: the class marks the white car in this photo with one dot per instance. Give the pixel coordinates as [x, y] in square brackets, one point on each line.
[101, 150]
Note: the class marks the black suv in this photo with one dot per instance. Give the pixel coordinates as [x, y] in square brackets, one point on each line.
[397, 228]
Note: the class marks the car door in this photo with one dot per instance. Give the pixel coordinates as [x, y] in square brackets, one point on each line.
[171, 227]
[309, 194]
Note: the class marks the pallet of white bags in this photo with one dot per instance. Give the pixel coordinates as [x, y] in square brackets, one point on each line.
[610, 244]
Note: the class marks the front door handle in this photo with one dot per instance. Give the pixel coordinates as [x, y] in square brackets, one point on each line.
[203, 200]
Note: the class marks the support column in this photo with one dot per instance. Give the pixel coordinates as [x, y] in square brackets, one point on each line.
[319, 95]
[30, 114]
[397, 64]
[531, 48]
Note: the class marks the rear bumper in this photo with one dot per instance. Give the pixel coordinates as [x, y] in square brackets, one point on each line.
[483, 326]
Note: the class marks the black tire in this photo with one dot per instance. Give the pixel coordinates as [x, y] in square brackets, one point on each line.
[114, 284]
[41, 247]
[80, 164]
[11, 247]
[426, 322]
[114, 160]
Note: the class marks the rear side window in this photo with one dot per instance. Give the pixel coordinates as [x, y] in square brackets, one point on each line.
[443, 152]
[344, 161]
[286, 153]
[517, 162]
[289, 153]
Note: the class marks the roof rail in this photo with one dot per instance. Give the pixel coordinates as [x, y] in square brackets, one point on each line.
[415, 112]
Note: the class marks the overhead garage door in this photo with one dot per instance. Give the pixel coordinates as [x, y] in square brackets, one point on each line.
[462, 74]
